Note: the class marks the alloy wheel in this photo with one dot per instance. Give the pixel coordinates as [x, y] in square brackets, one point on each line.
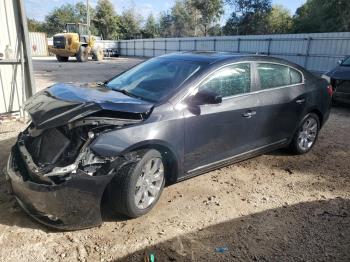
[149, 183]
[307, 134]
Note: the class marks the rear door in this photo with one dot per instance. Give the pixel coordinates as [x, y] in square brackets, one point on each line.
[282, 99]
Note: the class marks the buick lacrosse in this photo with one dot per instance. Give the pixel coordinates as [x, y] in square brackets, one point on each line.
[165, 120]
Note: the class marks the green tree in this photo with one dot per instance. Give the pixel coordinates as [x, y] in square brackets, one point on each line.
[215, 30]
[35, 26]
[165, 24]
[252, 15]
[130, 24]
[232, 25]
[322, 16]
[183, 20]
[151, 28]
[105, 20]
[56, 20]
[279, 20]
[210, 12]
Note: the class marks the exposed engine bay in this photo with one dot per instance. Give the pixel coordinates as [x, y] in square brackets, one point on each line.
[53, 155]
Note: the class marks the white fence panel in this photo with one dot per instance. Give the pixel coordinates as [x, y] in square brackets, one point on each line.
[318, 52]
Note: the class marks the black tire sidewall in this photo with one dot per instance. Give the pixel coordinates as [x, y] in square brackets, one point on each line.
[62, 58]
[294, 145]
[126, 187]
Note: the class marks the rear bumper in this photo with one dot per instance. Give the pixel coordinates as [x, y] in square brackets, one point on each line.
[73, 204]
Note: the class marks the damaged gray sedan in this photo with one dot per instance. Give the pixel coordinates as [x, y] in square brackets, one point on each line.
[165, 120]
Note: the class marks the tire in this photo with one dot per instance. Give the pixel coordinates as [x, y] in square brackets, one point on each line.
[97, 54]
[82, 55]
[129, 183]
[62, 58]
[306, 135]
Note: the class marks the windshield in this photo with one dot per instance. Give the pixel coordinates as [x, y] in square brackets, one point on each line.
[154, 79]
[346, 62]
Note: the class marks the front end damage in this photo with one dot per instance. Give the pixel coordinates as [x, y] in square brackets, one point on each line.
[56, 177]
[54, 174]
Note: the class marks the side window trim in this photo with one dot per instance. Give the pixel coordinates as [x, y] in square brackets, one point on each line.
[258, 84]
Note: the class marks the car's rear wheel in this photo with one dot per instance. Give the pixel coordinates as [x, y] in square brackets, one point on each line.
[137, 187]
[306, 135]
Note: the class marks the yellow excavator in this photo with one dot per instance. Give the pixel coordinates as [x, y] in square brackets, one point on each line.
[76, 41]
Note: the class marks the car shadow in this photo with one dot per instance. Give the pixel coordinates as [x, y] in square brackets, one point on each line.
[311, 231]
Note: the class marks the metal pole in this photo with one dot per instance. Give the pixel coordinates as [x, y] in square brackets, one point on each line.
[239, 45]
[307, 51]
[154, 53]
[214, 44]
[269, 46]
[88, 16]
[30, 85]
[134, 47]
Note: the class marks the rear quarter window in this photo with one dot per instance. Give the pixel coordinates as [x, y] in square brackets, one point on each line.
[295, 77]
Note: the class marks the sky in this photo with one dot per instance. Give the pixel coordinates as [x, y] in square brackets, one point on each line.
[38, 9]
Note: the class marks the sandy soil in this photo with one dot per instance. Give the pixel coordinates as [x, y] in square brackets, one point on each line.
[276, 207]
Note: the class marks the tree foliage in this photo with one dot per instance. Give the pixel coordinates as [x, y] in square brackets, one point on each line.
[201, 18]
[35, 26]
[130, 24]
[279, 20]
[151, 29]
[183, 22]
[252, 15]
[105, 19]
[322, 16]
[56, 20]
[210, 12]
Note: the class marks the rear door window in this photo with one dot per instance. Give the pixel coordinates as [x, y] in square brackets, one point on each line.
[273, 75]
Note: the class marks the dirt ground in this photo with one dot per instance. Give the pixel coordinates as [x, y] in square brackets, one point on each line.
[276, 207]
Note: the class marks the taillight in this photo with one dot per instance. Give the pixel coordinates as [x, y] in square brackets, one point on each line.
[330, 90]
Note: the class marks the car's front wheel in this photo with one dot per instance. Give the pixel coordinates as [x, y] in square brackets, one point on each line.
[137, 187]
[306, 135]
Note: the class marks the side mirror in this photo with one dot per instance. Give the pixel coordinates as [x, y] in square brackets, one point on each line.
[204, 98]
[340, 61]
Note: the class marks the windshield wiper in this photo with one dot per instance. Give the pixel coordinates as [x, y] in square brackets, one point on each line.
[125, 92]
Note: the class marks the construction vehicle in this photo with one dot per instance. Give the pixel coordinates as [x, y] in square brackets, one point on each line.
[77, 42]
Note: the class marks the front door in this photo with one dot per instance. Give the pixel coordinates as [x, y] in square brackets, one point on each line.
[222, 130]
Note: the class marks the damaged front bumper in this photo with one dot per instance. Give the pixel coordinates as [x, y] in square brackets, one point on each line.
[70, 205]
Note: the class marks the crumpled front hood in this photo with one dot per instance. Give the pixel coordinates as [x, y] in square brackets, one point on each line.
[64, 103]
[340, 73]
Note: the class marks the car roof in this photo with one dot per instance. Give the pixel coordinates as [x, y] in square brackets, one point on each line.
[211, 57]
[202, 56]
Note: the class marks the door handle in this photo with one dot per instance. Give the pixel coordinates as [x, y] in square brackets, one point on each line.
[300, 101]
[249, 114]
